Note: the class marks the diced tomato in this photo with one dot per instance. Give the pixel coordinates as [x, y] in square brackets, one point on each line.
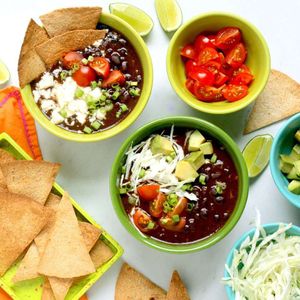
[101, 66]
[237, 55]
[212, 39]
[168, 224]
[228, 37]
[226, 69]
[148, 192]
[220, 79]
[188, 51]
[206, 55]
[157, 205]
[202, 42]
[179, 207]
[202, 75]
[208, 93]
[212, 66]
[221, 58]
[234, 92]
[189, 66]
[114, 77]
[142, 219]
[189, 83]
[71, 58]
[84, 76]
[242, 79]
[241, 69]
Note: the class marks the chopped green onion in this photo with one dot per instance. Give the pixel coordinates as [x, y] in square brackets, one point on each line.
[96, 125]
[123, 170]
[102, 97]
[133, 83]
[213, 158]
[142, 173]
[169, 159]
[63, 75]
[150, 225]
[115, 95]
[123, 107]
[123, 191]
[220, 187]
[186, 187]
[109, 107]
[94, 84]
[173, 154]
[118, 114]
[167, 207]
[63, 113]
[202, 179]
[131, 200]
[164, 221]
[90, 58]
[190, 206]
[87, 130]
[175, 218]
[79, 93]
[84, 61]
[134, 92]
[116, 87]
[75, 68]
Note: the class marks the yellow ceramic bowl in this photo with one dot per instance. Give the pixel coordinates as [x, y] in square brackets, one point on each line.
[258, 59]
[143, 53]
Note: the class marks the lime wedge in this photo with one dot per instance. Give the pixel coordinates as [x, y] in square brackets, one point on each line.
[4, 73]
[257, 153]
[169, 14]
[134, 16]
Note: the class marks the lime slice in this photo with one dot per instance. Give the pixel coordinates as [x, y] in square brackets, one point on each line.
[257, 153]
[169, 14]
[134, 16]
[4, 73]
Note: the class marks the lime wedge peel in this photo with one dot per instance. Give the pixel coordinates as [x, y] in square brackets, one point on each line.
[257, 154]
[134, 16]
[169, 14]
[4, 73]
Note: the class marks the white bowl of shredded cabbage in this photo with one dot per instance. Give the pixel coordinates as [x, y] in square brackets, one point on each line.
[264, 264]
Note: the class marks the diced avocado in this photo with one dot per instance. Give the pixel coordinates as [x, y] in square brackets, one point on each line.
[195, 140]
[293, 174]
[207, 148]
[294, 187]
[185, 170]
[162, 145]
[296, 148]
[297, 167]
[297, 135]
[294, 155]
[196, 159]
[287, 159]
[285, 167]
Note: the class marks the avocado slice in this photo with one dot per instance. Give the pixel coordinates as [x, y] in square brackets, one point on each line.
[293, 174]
[294, 187]
[196, 159]
[160, 144]
[297, 135]
[195, 140]
[184, 170]
[285, 167]
[207, 148]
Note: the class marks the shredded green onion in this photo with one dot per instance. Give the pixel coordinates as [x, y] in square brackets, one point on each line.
[213, 158]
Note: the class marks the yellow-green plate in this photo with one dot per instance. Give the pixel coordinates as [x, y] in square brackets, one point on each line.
[32, 289]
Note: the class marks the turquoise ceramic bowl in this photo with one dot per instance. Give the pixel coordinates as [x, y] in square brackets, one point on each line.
[183, 122]
[269, 228]
[283, 144]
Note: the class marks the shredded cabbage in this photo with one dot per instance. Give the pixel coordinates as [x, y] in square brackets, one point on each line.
[266, 267]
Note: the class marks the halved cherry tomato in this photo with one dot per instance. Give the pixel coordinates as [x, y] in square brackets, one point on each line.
[212, 66]
[168, 224]
[241, 69]
[188, 51]
[226, 69]
[221, 58]
[242, 79]
[179, 207]
[234, 92]
[189, 66]
[101, 66]
[202, 42]
[237, 55]
[84, 76]
[142, 219]
[220, 79]
[114, 77]
[189, 83]
[208, 93]
[71, 58]
[148, 192]
[206, 55]
[202, 75]
[228, 37]
[157, 205]
[212, 39]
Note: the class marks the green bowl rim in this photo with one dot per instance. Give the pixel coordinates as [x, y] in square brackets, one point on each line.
[114, 130]
[216, 132]
[211, 110]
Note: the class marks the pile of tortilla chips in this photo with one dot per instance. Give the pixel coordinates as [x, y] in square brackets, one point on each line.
[63, 30]
[44, 228]
[132, 285]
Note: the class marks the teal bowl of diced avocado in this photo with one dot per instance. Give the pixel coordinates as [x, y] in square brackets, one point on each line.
[179, 184]
[285, 160]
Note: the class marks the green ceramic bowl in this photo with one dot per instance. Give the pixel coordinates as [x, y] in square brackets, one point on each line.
[205, 127]
[258, 59]
[143, 53]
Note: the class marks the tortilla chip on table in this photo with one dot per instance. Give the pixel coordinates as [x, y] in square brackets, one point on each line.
[4, 158]
[177, 289]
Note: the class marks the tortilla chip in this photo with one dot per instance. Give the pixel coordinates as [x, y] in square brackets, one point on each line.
[47, 291]
[133, 285]
[52, 50]
[67, 19]
[279, 100]
[28, 266]
[30, 65]
[33, 179]
[66, 255]
[21, 220]
[90, 234]
[4, 158]
[53, 201]
[100, 254]
[177, 290]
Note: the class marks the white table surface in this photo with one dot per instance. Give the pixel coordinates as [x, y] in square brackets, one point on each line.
[86, 167]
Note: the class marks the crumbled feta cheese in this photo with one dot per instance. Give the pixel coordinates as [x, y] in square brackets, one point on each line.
[56, 117]
[46, 94]
[56, 72]
[81, 117]
[86, 90]
[98, 43]
[46, 81]
[95, 93]
[65, 92]
[36, 95]
[100, 115]
[78, 106]
[46, 105]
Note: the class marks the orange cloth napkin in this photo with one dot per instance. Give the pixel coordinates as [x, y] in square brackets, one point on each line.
[18, 123]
